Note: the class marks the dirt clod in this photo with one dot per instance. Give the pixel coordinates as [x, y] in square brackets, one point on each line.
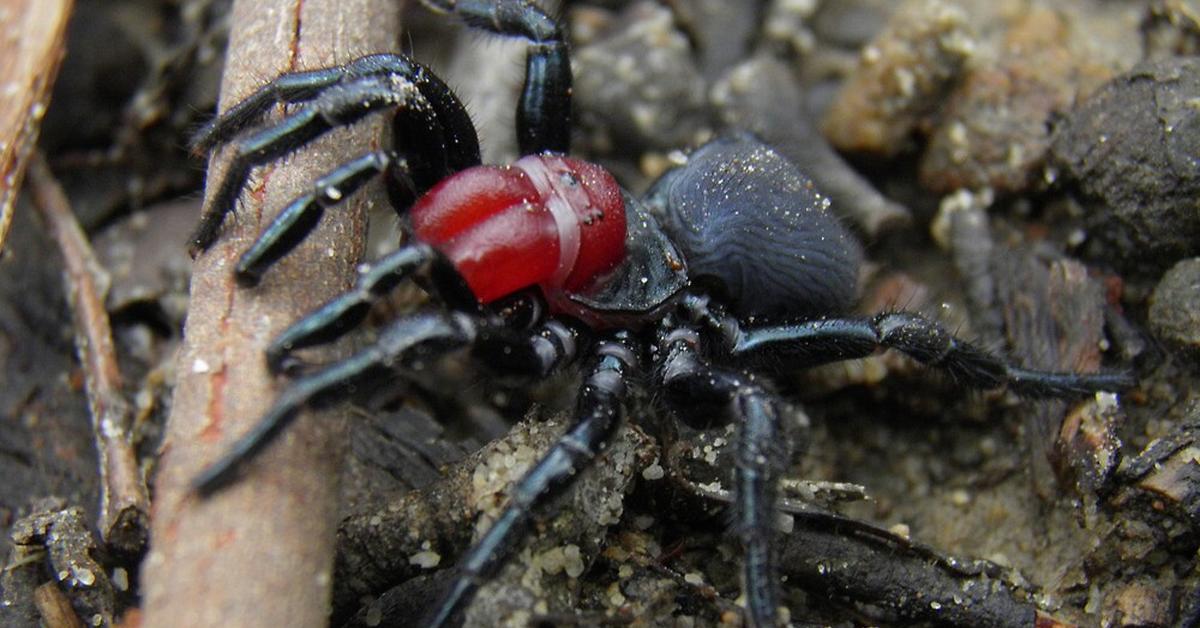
[1130, 152]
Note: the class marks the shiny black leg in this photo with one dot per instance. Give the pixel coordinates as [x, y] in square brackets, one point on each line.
[693, 386]
[288, 88]
[759, 460]
[424, 334]
[434, 142]
[461, 142]
[598, 414]
[544, 108]
[299, 218]
[829, 340]
[334, 319]
[513, 352]
[537, 352]
[338, 106]
[529, 354]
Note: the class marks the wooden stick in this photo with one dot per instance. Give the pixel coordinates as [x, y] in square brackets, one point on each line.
[261, 552]
[32, 34]
[55, 608]
[124, 503]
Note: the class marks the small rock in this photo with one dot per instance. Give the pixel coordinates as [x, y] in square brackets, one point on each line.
[1140, 604]
[848, 23]
[902, 78]
[1131, 152]
[721, 31]
[995, 131]
[640, 83]
[1175, 305]
[1172, 28]
[786, 26]
[149, 269]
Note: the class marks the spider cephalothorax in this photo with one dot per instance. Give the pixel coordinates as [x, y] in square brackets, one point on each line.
[732, 262]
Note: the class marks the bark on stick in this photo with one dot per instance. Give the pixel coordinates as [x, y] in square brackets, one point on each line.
[261, 552]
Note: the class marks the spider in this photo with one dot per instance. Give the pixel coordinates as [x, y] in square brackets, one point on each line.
[731, 264]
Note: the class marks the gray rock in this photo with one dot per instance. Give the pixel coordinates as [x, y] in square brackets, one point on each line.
[1132, 153]
[1175, 305]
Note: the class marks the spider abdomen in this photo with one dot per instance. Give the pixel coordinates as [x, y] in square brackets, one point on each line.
[546, 220]
[747, 220]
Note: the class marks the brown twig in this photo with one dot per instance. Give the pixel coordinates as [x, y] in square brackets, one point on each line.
[124, 503]
[55, 607]
[260, 553]
[31, 47]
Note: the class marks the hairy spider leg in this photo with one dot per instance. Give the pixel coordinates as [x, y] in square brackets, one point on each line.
[428, 333]
[597, 417]
[544, 107]
[762, 449]
[301, 216]
[811, 343]
[344, 312]
[431, 152]
[529, 355]
[421, 334]
[293, 87]
[339, 105]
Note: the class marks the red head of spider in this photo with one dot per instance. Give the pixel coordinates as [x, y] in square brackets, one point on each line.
[550, 221]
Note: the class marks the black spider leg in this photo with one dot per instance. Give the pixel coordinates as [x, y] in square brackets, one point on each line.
[462, 143]
[338, 316]
[292, 87]
[694, 386]
[597, 417]
[425, 334]
[810, 343]
[544, 108]
[408, 178]
[339, 106]
[431, 124]
[301, 216]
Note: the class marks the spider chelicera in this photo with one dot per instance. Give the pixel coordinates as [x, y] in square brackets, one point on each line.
[731, 264]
